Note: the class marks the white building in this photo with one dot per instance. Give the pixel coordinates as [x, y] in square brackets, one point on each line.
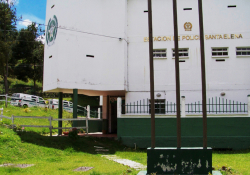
[101, 48]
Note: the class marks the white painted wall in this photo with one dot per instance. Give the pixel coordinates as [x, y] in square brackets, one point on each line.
[121, 65]
[69, 68]
[231, 76]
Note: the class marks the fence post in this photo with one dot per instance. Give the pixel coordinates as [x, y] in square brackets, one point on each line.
[50, 125]
[101, 100]
[12, 119]
[248, 105]
[183, 105]
[1, 109]
[99, 113]
[6, 100]
[87, 119]
[119, 107]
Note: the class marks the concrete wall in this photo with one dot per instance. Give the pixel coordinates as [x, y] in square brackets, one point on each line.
[69, 68]
[230, 76]
[222, 132]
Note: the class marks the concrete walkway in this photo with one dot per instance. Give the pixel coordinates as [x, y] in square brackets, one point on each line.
[127, 162]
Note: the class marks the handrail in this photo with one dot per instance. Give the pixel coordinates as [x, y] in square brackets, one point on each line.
[50, 119]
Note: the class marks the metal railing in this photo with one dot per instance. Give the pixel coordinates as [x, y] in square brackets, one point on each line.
[50, 119]
[218, 105]
[214, 106]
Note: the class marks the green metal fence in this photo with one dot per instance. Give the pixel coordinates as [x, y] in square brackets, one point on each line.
[214, 106]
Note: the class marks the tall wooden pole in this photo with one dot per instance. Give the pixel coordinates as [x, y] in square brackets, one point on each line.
[203, 75]
[177, 75]
[151, 67]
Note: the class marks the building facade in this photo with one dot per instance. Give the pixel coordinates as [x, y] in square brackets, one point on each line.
[100, 47]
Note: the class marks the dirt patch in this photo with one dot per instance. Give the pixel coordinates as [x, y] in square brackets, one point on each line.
[83, 168]
[17, 165]
[24, 165]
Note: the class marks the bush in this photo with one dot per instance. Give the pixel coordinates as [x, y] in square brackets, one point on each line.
[73, 134]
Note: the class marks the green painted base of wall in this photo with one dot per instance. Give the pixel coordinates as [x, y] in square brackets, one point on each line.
[179, 161]
[223, 132]
[94, 125]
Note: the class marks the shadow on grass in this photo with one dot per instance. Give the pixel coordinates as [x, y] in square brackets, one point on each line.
[227, 151]
[83, 144]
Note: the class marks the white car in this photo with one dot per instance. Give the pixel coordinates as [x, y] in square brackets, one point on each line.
[67, 105]
[26, 100]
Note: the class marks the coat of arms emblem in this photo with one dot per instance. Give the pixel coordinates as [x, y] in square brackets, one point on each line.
[188, 26]
[51, 31]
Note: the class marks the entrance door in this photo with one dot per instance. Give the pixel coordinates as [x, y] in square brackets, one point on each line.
[113, 117]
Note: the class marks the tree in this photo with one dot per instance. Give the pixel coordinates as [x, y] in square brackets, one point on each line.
[7, 34]
[28, 55]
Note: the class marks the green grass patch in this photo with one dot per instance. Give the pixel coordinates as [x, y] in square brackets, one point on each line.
[34, 111]
[56, 155]
[61, 155]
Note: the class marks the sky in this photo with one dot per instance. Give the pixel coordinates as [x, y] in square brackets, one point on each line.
[31, 11]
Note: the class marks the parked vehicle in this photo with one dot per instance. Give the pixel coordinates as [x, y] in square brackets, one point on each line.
[26, 100]
[17, 98]
[53, 103]
[67, 105]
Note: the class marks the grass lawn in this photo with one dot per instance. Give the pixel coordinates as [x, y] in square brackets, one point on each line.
[34, 111]
[56, 155]
[61, 155]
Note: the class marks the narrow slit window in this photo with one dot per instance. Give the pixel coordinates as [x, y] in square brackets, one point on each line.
[187, 9]
[231, 6]
[91, 56]
[145, 11]
[182, 61]
[220, 60]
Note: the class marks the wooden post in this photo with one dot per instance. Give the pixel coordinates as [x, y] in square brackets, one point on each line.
[151, 67]
[1, 109]
[87, 119]
[12, 120]
[177, 74]
[6, 100]
[203, 75]
[50, 125]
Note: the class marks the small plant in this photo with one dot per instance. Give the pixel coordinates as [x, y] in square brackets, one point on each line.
[18, 128]
[26, 110]
[81, 131]
[73, 134]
